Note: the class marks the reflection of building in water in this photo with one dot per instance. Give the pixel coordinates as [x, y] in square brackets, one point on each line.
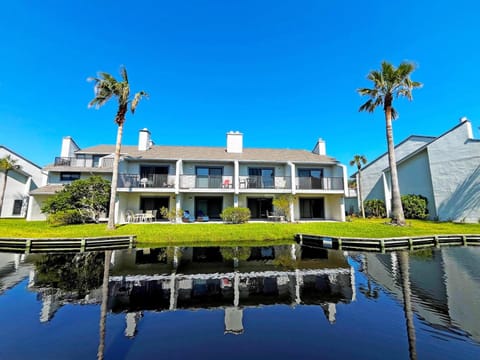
[228, 278]
[231, 279]
[12, 270]
[445, 286]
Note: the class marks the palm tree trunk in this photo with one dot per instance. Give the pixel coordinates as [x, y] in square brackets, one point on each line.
[113, 192]
[407, 303]
[397, 210]
[362, 208]
[4, 186]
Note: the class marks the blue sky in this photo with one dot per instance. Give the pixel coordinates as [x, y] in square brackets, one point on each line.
[282, 72]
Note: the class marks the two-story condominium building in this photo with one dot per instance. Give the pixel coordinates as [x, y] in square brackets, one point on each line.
[206, 180]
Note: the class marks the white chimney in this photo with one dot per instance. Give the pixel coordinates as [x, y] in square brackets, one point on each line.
[234, 142]
[144, 140]
[320, 147]
[68, 147]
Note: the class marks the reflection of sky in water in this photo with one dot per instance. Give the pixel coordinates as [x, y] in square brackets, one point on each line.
[298, 319]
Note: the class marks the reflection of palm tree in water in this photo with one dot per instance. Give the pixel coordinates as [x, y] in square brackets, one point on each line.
[407, 302]
[103, 308]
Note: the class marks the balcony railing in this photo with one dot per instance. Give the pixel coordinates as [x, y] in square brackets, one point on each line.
[86, 163]
[323, 183]
[151, 181]
[206, 182]
[265, 182]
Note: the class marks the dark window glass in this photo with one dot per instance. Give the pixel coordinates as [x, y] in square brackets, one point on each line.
[17, 207]
[69, 176]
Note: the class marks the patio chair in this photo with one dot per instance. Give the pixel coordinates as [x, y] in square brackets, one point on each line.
[129, 216]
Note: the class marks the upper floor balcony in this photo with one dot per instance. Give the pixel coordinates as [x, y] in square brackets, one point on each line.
[206, 182]
[265, 182]
[319, 183]
[84, 162]
[151, 181]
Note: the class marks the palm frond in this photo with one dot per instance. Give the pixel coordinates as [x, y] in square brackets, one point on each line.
[136, 99]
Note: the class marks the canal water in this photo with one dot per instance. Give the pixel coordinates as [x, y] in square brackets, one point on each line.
[276, 302]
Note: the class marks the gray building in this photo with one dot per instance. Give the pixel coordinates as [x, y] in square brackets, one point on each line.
[19, 182]
[444, 169]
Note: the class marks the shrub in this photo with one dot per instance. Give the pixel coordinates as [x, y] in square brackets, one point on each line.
[66, 217]
[415, 206]
[375, 208]
[172, 214]
[235, 215]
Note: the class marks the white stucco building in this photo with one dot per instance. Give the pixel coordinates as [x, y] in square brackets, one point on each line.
[20, 181]
[205, 180]
[444, 169]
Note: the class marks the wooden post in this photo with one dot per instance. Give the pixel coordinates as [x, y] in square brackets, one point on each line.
[464, 240]
[382, 245]
[436, 241]
[410, 243]
[339, 243]
[82, 245]
[130, 244]
[28, 245]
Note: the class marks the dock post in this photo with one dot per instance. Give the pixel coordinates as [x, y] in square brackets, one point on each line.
[382, 245]
[436, 241]
[339, 243]
[82, 245]
[410, 243]
[28, 245]
[301, 239]
[464, 240]
[130, 244]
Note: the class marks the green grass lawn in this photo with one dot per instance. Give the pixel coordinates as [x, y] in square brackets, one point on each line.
[202, 233]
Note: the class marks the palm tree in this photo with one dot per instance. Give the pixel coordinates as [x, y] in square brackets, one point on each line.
[390, 83]
[7, 164]
[106, 87]
[358, 160]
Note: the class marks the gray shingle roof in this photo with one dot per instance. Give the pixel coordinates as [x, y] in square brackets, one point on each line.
[212, 154]
[46, 190]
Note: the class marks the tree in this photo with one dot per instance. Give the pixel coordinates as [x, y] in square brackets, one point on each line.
[390, 83]
[7, 164]
[282, 204]
[86, 199]
[106, 87]
[358, 160]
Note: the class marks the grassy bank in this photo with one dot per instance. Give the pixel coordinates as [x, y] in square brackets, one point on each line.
[162, 234]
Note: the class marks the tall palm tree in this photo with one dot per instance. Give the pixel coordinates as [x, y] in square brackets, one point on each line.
[390, 83]
[106, 87]
[358, 160]
[7, 164]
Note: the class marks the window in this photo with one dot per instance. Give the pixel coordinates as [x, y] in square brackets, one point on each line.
[310, 178]
[209, 177]
[69, 176]
[261, 178]
[17, 207]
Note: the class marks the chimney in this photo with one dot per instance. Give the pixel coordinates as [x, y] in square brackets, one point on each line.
[234, 142]
[320, 147]
[144, 140]
[68, 147]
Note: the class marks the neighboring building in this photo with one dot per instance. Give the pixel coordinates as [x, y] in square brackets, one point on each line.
[444, 169]
[20, 182]
[205, 180]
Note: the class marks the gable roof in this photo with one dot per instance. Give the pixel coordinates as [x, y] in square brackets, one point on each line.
[197, 153]
[427, 139]
[20, 156]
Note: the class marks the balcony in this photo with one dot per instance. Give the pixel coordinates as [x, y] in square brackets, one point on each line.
[265, 182]
[322, 183]
[84, 163]
[206, 182]
[152, 181]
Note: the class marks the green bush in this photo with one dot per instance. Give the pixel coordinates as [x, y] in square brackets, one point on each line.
[375, 208]
[66, 217]
[415, 206]
[235, 215]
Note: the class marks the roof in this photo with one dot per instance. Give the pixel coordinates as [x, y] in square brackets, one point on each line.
[428, 140]
[46, 190]
[20, 156]
[158, 152]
